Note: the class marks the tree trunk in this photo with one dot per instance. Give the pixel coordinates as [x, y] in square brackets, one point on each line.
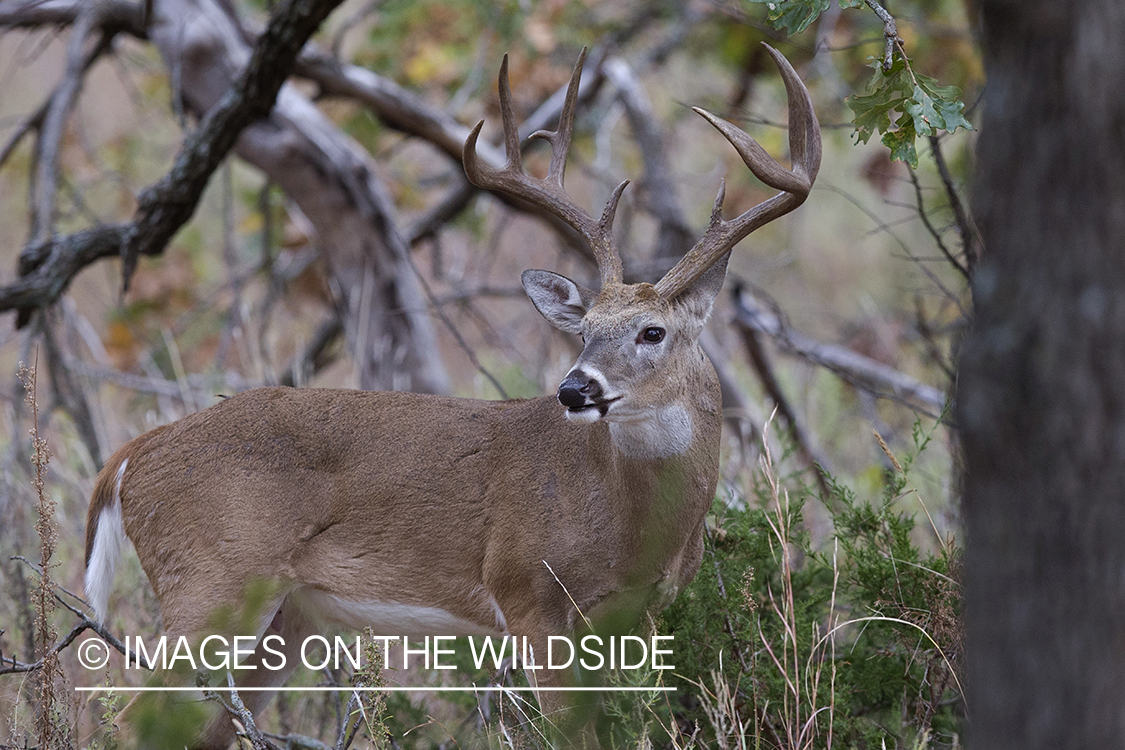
[1042, 383]
[332, 180]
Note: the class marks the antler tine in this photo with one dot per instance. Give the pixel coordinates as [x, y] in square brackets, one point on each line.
[508, 118]
[547, 194]
[795, 184]
[560, 138]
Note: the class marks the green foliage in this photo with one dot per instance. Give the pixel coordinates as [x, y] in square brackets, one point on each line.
[915, 103]
[793, 16]
[921, 105]
[862, 632]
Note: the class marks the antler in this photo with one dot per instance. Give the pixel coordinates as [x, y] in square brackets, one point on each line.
[548, 193]
[804, 149]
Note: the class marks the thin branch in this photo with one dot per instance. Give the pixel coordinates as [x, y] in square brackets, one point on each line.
[965, 226]
[855, 368]
[114, 16]
[890, 33]
[85, 623]
[47, 268]
[19, 666]
[675, 234]
[312, 357]
[166, 206]
[883, 226]
[921, 206]
[808, 452]
[239, 711]
[35, 120]
[54, 121]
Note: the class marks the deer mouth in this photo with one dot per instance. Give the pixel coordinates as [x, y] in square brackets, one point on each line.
[602, 407]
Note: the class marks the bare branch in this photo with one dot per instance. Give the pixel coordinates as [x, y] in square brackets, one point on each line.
[890, 32]
[930, 227]
[970, 237]
[114, 16]
[167, 205]
[675, 236]
[762, 366]
[857, 369]
[54, 121]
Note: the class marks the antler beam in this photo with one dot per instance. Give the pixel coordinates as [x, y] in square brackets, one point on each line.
[805, 151]
[548, 193]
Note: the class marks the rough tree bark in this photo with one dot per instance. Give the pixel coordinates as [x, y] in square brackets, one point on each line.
[1042, 384]
[333, 182]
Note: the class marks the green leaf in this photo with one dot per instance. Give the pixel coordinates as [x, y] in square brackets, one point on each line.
[851, 3]
[793, 16]
[901, 144]
[920, 107]
[947, 102]
[951, 113]
[872, 112]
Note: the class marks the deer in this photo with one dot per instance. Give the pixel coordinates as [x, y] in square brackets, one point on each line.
[429, 515]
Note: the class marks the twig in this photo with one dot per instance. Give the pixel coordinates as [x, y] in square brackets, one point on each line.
[964, 220]
[930, 227]
[675, 235]
[312, 357]
[238, 710]
[883, 226]
[18, 666]
[454, 332]
[167, 205]
[164, 207]
[817, 461]
[858, 370]
[97, 627]
[54, 121]
[68, 394]
[890, 33]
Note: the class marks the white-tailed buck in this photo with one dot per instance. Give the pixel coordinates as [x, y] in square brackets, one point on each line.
[423, 515]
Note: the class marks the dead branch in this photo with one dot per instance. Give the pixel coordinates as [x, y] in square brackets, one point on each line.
[890, 33]
[48, 267]
[54, 121]
[114, 16]
[970, 237]
[856, 369]
[238, 710]
[809, 453]
[85, 623]
[921, 205]
[657, 187]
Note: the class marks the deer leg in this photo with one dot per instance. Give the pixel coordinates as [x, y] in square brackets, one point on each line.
[271, 668]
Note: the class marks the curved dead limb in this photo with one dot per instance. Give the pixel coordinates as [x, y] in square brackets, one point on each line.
[48, 266]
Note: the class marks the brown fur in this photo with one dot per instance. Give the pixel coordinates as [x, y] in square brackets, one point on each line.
[411, 499]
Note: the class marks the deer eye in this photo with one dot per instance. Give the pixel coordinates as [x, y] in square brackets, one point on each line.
[653, 335]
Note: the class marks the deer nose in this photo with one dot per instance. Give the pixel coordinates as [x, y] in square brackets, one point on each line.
[579, 389]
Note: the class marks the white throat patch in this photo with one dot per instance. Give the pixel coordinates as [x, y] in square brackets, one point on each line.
[666, 433]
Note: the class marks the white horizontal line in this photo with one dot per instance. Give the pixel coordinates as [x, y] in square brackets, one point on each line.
[388, 689]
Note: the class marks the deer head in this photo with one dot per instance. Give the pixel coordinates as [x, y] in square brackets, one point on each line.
[640, 348]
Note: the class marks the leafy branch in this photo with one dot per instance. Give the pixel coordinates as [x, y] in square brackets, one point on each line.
[900, 103]
[922, 106]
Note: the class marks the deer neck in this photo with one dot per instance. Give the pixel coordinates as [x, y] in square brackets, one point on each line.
[677, 427]
[667, 432]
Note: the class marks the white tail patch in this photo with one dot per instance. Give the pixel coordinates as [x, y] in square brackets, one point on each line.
[108, 536]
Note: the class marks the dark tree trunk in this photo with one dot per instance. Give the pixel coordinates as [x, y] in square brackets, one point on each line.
[1041, 396]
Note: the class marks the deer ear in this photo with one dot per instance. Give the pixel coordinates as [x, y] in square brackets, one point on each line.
[562, 302]
[698, 298]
